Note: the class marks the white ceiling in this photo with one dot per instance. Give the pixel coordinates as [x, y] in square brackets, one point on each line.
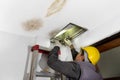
[87, 13]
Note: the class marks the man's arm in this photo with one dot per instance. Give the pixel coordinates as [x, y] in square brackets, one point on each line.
[69, 69]
[74, 52]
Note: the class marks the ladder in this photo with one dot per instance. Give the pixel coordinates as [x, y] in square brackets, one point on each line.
[31, 72]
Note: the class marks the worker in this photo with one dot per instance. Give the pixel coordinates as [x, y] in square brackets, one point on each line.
[83, 66]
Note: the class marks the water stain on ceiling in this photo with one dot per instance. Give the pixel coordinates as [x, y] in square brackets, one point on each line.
[32, 25]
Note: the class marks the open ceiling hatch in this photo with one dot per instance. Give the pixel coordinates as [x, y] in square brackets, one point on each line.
[70, 32]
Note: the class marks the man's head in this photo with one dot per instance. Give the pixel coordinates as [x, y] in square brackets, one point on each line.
[90, 54]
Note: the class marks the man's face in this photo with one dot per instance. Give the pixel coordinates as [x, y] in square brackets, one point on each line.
[79, 57]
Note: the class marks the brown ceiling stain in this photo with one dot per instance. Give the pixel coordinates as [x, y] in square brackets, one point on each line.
[32, 25]
[53, 33]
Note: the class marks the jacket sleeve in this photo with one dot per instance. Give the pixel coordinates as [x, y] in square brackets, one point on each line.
[69, 69]
[74, 53]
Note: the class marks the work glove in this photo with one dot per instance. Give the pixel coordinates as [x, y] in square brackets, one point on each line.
[67, 42]
[55, 51]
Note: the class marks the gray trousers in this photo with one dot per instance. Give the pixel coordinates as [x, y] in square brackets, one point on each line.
[70, 69]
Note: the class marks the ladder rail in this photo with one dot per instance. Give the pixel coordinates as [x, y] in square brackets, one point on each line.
[26, 74]
[33, 65]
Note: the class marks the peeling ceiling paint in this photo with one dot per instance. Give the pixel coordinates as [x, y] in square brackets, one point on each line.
[55, 7]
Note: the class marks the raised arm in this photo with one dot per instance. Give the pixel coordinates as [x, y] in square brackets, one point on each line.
[69, 69]
[73, 50]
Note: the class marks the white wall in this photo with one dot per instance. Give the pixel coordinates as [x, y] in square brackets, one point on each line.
[13, 53]
[110, 63]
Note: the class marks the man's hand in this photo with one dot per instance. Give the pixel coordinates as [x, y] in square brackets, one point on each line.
[55, 51]
[67, 42]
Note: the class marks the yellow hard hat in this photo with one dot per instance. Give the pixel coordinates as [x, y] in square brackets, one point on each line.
[93, 54]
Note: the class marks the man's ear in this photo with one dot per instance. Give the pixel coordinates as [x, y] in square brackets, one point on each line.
[83, 57]
[79, 57]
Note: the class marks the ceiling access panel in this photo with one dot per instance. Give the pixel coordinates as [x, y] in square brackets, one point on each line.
[70, 32]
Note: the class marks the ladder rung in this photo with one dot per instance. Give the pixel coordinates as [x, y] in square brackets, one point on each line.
[47, 74]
